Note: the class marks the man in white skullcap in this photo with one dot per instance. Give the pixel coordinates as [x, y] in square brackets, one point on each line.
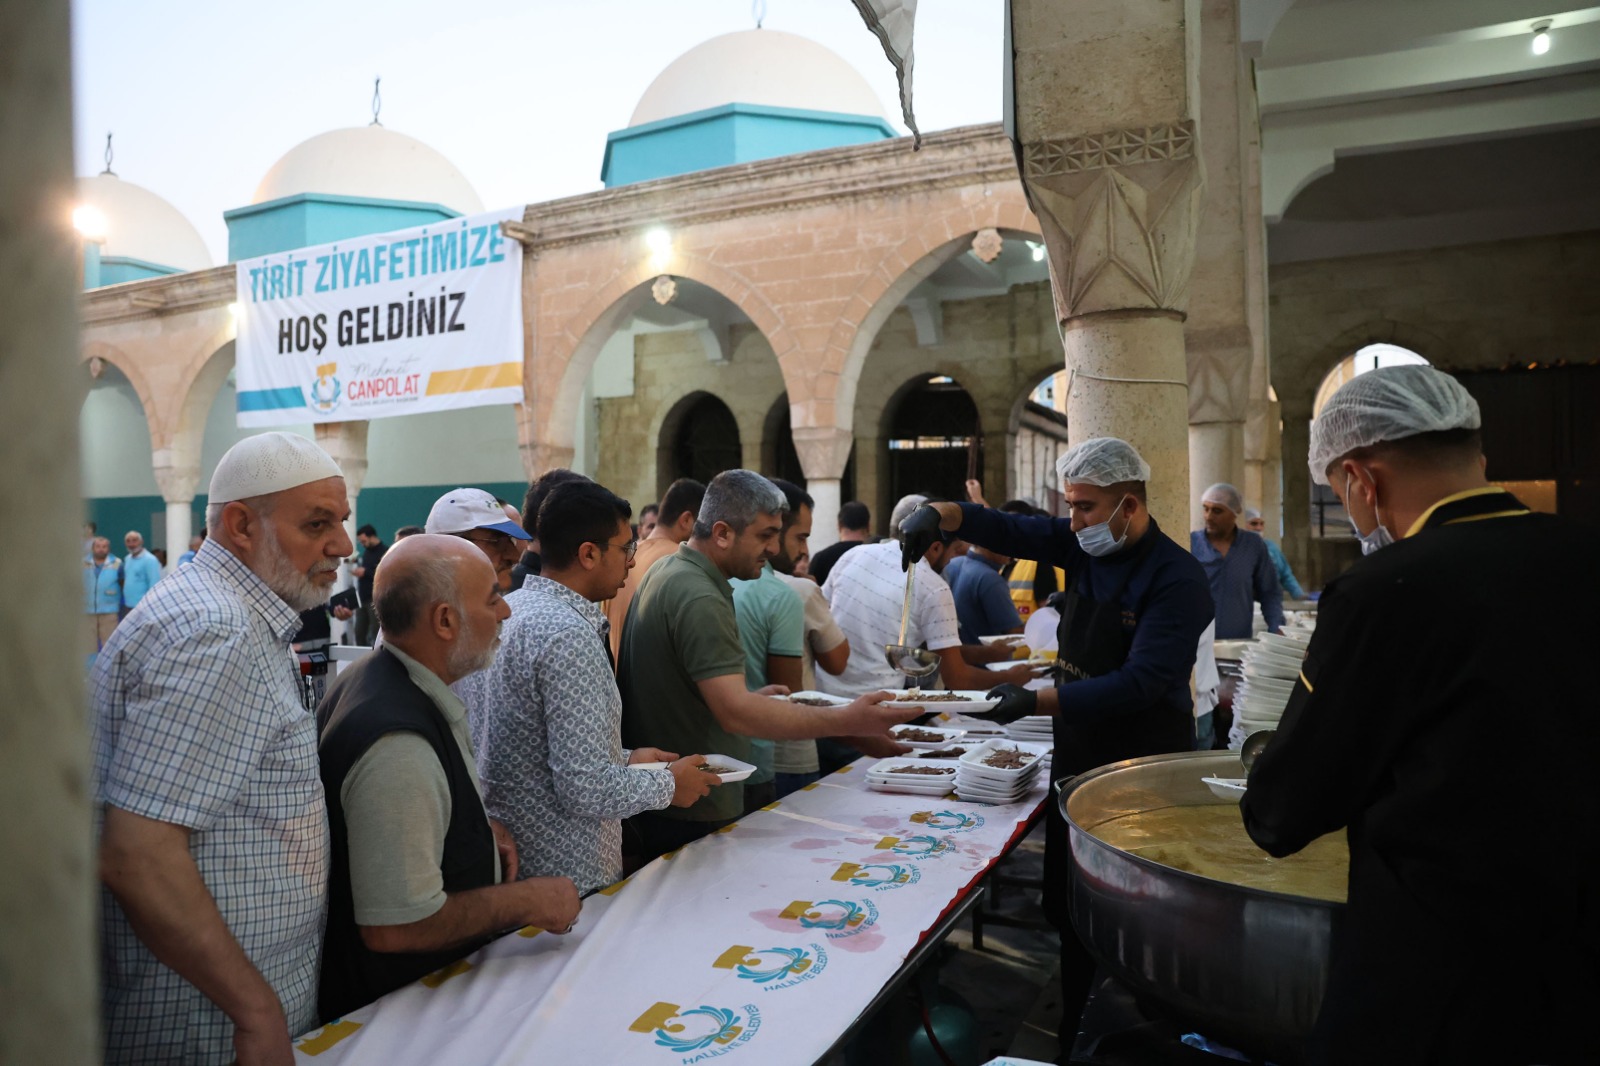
[1134, 607]
[1238, 566]
[214, 836]
[1473, 921]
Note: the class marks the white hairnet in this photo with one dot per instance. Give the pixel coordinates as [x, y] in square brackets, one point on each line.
[1251, 514]
[1101, 461]
[1390, 403]
[1226, 495]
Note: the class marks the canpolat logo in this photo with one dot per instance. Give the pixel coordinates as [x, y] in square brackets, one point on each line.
[325, 389]
[837, 918]
[699, 1033]
[918, 847]
[949, 821]
[775, 968]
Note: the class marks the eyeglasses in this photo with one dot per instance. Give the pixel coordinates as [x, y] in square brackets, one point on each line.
[628, 549]
[498, 541]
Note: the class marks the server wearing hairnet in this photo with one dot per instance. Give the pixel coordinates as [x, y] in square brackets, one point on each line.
[1135, 604]
[1472, 932]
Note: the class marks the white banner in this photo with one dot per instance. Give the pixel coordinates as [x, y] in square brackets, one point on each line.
[425, 319]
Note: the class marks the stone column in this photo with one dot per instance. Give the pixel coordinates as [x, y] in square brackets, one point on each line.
[1263, 465]
[347, 443]
[178, 482]
[1103, 107]
[1297, 531]
[823, 452]
[48, 890]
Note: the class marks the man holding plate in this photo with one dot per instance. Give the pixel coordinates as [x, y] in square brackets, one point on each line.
[1136, 604]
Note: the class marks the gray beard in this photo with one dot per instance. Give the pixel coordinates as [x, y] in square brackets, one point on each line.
[291, 586]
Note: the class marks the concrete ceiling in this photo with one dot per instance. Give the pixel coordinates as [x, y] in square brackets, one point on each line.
[1338, 80]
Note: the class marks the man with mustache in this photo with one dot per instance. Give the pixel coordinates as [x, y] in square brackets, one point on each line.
[214, 837]
[421, 875]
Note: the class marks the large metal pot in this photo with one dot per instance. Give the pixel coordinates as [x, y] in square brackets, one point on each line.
[1243, 966]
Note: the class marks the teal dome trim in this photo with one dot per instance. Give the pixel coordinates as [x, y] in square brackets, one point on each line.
[307, 219]
[731, 133]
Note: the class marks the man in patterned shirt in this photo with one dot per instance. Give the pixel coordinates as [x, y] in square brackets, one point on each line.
[546, 716]
[214, 836]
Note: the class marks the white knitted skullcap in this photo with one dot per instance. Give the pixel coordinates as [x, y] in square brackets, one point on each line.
[268, 463]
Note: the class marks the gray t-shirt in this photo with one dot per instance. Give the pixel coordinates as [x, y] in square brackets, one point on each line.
[396, 803]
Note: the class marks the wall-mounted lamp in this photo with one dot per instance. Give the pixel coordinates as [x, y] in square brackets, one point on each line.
[90, 222]
[1541, 37]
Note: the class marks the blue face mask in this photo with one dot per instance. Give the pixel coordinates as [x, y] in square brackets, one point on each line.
[1098, 540]
[1380, 537]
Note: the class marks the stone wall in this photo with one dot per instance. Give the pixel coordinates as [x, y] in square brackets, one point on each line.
[1469, 307]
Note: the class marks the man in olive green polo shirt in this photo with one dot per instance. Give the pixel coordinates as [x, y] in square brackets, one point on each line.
[681, 665]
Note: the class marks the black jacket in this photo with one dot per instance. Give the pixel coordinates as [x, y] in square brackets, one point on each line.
[371, 699]
[1446, 716]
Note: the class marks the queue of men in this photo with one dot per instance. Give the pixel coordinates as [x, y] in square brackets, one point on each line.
[499, 756]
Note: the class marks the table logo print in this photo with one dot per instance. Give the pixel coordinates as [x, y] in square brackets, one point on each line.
[878, 876]
[775, 968]
[837, 918]
[919, 847]
[948, 821]
[698, 1033]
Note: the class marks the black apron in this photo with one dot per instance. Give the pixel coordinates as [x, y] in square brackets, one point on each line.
[1091, 640]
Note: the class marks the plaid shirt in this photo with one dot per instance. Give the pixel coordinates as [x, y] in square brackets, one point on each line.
[547, 726]
[198, 722]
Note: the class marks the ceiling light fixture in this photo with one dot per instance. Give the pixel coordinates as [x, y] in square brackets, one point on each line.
[1541, 37]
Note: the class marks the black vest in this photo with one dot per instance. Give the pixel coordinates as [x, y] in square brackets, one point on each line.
[372, 698]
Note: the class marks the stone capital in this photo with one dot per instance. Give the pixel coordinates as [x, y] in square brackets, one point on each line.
[823, 450]
[176, 479]
[346, 442]
[1219, 362]
[1120, 210]
[541, 456]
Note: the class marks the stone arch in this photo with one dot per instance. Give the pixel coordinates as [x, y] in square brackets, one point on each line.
[1297, 380]
[204, 377]
[897, 272]
[554, 418]
[669, 421]
[129, 368]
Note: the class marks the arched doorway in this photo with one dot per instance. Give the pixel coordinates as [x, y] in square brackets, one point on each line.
[118, 474]
[935, 440]
[699, 439]
[1039, 422]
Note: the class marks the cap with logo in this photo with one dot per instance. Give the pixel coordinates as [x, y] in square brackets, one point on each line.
[462, 509]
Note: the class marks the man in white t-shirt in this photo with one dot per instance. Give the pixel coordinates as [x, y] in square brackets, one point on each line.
[866, 589]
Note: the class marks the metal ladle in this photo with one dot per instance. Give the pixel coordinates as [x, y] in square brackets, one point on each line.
[914, 662]
[1254, 745]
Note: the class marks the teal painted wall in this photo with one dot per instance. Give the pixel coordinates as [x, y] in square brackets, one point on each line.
[115, 269]
[317, 218]
[733, 133]
[387, 509]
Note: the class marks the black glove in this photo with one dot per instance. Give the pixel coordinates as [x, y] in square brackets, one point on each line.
[918, 533]
[1015, 702]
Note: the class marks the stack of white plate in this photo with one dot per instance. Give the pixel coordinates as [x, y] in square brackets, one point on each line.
[976, 780]
[976, 729]
[1271, 668]
[932, 777]
[1035, 727]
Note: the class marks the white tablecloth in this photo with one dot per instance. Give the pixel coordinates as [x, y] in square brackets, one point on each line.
[762, 943]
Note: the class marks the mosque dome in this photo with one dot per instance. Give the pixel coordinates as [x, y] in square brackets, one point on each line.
[142, 226]
[370, 162]
[767, 68]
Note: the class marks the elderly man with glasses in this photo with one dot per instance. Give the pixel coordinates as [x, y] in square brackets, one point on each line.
[476, 515]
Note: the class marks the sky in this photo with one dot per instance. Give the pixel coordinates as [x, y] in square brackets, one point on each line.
[203, 97]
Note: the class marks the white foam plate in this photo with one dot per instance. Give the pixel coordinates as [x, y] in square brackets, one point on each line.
[973, 701]
[977, 790]
[949, 736]
[1228, 788]
[741, 769]
[912, 787]
[972, 761]
[837, 701]
[1002, 638]
[1007, 664]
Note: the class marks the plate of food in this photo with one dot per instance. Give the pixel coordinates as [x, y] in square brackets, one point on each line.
[727, 768]
[926, 736]
[815, 699]
[960, 701]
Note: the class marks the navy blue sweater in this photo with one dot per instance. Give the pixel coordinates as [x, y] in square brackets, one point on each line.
[1166, 604]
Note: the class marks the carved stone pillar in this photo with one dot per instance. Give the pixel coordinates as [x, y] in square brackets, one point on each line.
[823, 452]
[178, 482]
[1102, 109]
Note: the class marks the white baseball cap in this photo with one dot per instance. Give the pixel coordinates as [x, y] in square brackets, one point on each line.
[462, 509]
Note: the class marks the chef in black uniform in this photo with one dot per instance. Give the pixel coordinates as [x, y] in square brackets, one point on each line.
[1446, 717]
[1135, 606]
